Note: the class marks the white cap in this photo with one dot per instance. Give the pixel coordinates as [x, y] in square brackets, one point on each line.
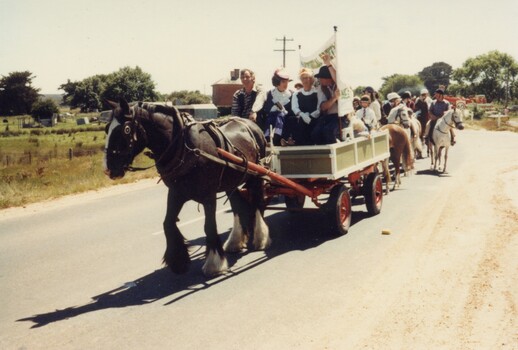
[424, 91]
[392, 95]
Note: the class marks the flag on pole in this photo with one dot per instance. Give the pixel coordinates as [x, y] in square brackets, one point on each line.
[315, 61]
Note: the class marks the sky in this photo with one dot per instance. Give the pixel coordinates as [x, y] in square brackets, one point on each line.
[190, 45]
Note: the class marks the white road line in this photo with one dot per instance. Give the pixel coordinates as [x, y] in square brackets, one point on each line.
[191, 221]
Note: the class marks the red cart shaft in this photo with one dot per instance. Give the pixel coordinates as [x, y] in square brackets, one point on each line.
[263, 171]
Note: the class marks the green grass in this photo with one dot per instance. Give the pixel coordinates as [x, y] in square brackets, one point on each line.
[36, 165]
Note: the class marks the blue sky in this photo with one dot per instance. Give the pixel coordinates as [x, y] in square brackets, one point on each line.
[192, 44]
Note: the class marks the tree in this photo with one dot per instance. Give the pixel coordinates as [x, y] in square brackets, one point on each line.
[88, 92]
[439, 73]
[17, 94]
[399, 83]
[44, 109]
[131, 83]
[185, 97]
[493, 74]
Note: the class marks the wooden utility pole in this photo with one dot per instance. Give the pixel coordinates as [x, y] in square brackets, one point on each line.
[284, 50]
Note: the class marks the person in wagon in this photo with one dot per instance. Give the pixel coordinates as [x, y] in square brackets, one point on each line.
[306, 110]
[375, 104]
[270, 109]
[356, 103]
[244, 98]
[326, 128]
[366, 114]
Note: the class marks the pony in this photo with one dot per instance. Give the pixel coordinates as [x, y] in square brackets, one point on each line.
[400, 147]
[399, 115]
[404, 116]
[441, 136]
[414, 132]
[186, 157]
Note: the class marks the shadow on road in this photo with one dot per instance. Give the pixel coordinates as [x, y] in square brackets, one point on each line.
[432, 172]
[289, 232]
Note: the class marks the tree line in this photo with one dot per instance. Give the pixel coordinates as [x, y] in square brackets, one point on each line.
[493, 74]
[18, 96]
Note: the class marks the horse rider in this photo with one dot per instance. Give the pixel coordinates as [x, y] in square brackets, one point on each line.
[393, 100]
[438, 108]
[421, 110]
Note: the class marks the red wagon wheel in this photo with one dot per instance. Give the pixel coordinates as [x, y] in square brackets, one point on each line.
[373, 193]
[339, 209]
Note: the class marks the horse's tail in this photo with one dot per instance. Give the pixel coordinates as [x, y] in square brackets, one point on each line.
[408, 155]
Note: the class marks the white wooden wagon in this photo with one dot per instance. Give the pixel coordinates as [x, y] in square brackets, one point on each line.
[339, 170]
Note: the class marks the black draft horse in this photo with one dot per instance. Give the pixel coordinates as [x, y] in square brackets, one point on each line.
[187, 160]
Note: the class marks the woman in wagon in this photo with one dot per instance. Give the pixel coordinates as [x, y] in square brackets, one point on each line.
[326, 128]
[306, 110]
[244, 98]
[375, 104]
[366, 114]
[270, 109]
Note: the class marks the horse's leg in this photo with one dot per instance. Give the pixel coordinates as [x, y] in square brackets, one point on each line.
[176, 256]
[215, 261]
[396, 160]
[386, 174]
[238, 237]
[247, 214]
[261, 232]
[445, 158]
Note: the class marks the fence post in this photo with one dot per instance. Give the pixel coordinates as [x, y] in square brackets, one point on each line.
[70, 154]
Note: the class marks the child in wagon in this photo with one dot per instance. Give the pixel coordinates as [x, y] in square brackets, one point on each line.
[366, 114]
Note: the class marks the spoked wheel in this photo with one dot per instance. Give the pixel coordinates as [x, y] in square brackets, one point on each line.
[373, 193]
[296, 202]
[339, 209]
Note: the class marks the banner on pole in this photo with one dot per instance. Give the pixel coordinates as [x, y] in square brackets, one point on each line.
[315, 61]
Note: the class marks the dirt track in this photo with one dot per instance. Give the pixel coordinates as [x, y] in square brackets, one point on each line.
[462, 291]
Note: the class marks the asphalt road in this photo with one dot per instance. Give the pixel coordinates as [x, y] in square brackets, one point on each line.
[86, 272]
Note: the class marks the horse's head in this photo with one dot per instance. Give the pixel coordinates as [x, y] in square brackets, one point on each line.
[456, 117]
[399, 114]
[125, 139]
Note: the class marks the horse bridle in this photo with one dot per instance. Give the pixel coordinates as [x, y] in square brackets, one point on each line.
[129, 131]
[398, 115]
[454, 125]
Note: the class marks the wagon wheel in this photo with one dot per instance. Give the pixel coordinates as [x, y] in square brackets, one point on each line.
[339, 209]
[296, 202]
[373, 193]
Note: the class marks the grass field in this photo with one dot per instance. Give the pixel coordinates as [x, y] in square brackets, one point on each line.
[45, 163]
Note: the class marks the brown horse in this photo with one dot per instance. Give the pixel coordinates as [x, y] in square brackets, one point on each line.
[400, 146]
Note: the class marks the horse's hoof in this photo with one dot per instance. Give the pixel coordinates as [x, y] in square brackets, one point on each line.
[263, 244]
[179, 262]
[179, 269]
[215, 264]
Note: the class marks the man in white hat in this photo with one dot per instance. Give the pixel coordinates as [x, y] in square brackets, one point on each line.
[393, 99]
